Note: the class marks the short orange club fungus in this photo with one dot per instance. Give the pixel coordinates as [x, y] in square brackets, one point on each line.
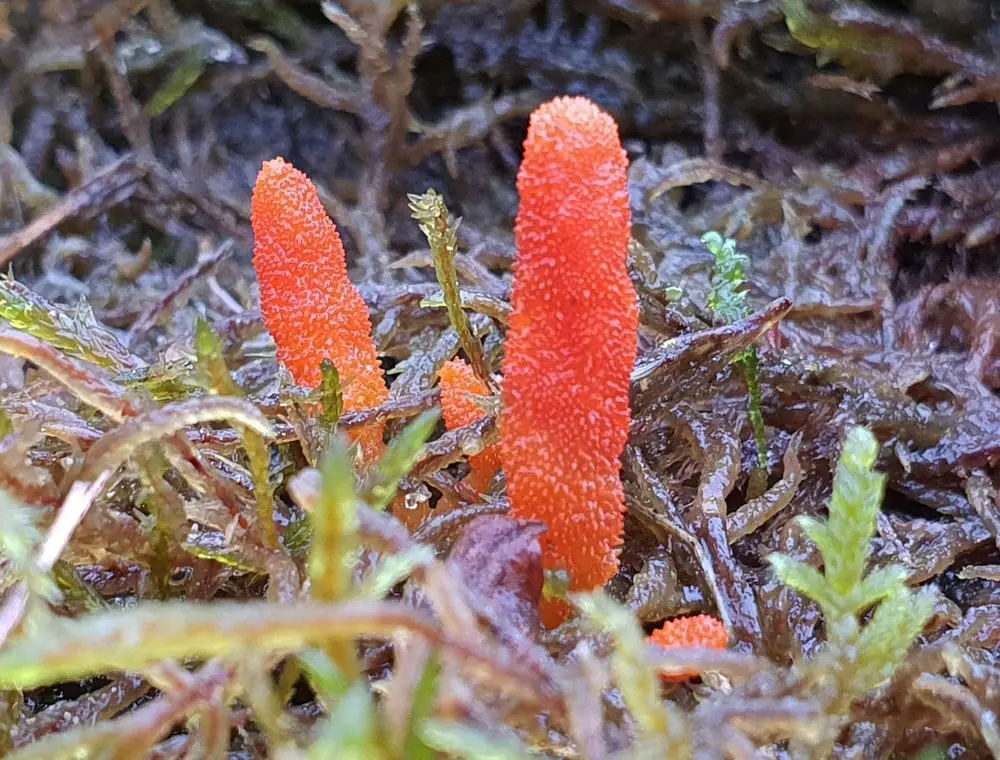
[698, 631]
[309, 304]
[571, 345]
[459, 389]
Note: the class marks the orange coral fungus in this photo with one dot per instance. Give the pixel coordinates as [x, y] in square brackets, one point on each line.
[309, 304]
[572, 342]
[459, 387]
[697, 631]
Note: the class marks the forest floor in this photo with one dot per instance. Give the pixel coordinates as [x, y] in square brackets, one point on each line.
[851, 149]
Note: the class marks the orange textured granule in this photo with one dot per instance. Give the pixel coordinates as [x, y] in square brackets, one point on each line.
[697, 631]
[571, 345]
[309, 304]
[459, 387]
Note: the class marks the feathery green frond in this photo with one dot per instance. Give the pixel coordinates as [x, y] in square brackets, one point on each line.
[727, 301]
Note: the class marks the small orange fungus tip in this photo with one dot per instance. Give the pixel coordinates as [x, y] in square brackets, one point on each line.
[572, 341]
[459, 389]
[308, 302]
[697, 631]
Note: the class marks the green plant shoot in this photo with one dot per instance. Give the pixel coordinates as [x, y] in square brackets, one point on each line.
[212, 363]
[861, 658]
[441, 232]
[727, 302]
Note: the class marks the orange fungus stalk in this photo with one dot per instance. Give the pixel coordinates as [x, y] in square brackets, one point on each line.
[459, 388]
[309, 304]
[571, 345]
[697, 631]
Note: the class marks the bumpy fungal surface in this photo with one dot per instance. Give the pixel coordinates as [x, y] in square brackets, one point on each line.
[459, 388]
[309, 304]
[571, 345]
[696, 631]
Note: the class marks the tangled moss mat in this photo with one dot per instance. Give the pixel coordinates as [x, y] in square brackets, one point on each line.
[850, 148]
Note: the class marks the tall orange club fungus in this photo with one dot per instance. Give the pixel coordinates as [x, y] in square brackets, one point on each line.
[309, 304]
[572, 342]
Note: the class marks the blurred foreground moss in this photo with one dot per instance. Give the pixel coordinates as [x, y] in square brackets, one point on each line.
[136, 640]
